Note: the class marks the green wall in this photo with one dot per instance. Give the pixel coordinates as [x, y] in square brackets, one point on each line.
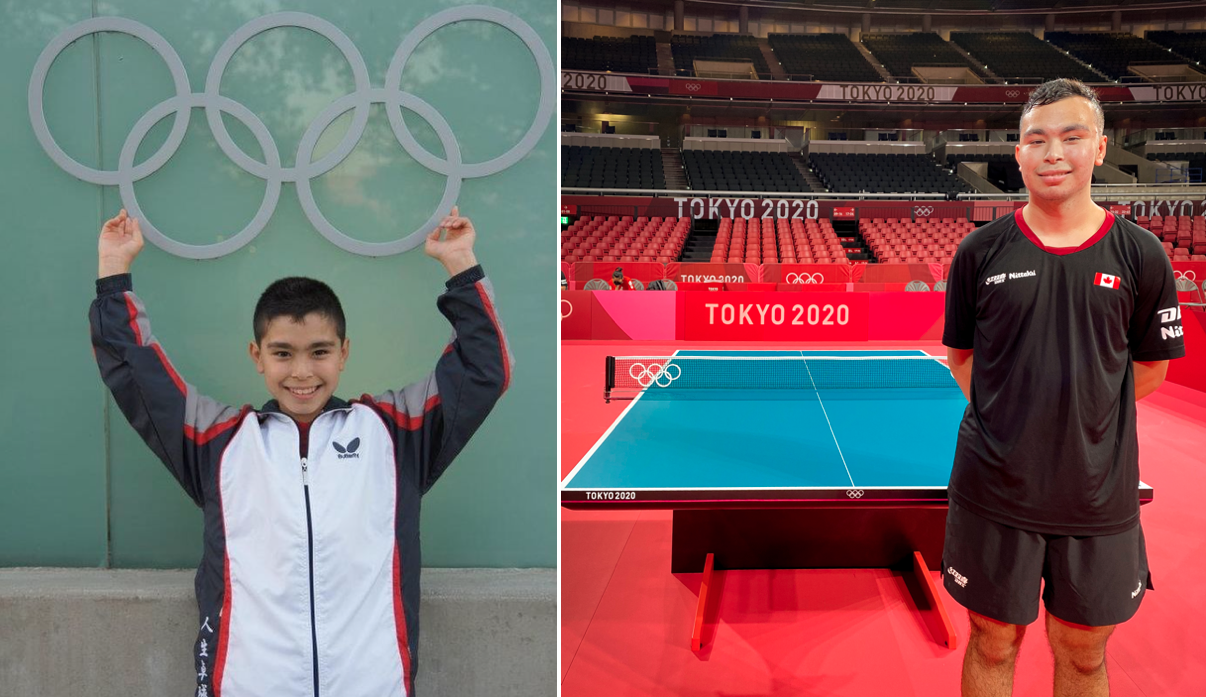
[79, 488]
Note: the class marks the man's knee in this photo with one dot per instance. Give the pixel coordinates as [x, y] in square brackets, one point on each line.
[995, 642]
[1081, 647]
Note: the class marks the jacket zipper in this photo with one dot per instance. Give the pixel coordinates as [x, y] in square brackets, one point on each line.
[304, 447]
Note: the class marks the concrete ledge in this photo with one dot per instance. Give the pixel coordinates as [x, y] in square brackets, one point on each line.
[129, 633]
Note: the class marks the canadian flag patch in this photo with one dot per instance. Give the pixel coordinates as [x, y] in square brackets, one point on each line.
[1106, 280]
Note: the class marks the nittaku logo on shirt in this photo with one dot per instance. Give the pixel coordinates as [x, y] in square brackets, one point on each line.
[1105, 280]
[1001, 277]
[349, 451]
[959, 578]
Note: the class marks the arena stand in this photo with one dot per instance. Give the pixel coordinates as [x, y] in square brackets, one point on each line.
[687, 49]
[900, 53]
[1022, 55]
[883, 173]
[611, 161]
[632, 54]
[1112, 53]
[830, 57]
[719, 170]
[1190, 44]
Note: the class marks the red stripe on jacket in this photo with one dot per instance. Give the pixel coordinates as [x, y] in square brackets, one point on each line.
[407, 421]
[502, 345]
[400, 617]
[223, 630]
[133, 319]
[227, 595]
[213, 431]
[167, 365]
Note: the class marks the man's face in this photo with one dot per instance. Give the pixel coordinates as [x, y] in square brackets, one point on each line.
[1059, 147]
[301, 362]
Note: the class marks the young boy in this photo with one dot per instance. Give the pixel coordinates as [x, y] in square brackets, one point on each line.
[309, 577]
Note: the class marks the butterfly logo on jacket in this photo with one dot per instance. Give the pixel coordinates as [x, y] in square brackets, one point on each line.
[347, 451]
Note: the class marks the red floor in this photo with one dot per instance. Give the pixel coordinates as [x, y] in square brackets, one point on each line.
[626, 620]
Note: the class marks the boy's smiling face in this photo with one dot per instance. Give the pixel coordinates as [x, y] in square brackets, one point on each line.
[301, 363]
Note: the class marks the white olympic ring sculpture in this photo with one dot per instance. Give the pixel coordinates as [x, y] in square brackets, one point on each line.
[924, 210]
[854, 493]
[359, 102]
[1187, 275]
[806, 277]
[565, 303]
[654, 373]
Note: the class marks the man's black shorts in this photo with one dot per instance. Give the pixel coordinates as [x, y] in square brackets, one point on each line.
[994, 570]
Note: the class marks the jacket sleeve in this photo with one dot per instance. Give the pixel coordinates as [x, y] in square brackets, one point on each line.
[433, 418]
[183, 428]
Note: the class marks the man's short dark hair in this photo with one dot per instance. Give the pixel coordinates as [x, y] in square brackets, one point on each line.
[297, 297]
[1059, 89]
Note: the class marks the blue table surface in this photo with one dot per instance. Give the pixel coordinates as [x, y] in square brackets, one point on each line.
[779, 439]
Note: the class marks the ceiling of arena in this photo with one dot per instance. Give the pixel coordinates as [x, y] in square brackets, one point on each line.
[788, 9]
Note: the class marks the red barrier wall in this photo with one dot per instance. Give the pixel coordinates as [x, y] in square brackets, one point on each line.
[907, 316]
[752, 315]
[1190, 371]
[576, 308]
[648, 316]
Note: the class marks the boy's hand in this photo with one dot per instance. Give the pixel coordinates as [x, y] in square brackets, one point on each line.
[455, 250]
[120, 242]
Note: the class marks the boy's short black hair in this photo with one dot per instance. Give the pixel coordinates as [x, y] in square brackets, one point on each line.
[297, 297]
[1059, 89]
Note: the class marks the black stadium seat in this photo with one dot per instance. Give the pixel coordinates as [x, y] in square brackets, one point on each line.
[633, 54]
[727, 170]
[1020, 55]
[899, 53]
[884, 173]
[1111, 52]
[1190, 44]
[1003, 169]
[687, 48]
[831, 57]
[612, 168]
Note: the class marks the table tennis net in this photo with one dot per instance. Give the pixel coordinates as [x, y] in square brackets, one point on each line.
[633, 374]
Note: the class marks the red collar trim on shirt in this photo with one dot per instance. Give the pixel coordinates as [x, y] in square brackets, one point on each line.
[1105, 227]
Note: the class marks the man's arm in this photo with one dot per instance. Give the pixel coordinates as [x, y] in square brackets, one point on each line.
[1148, 377]
[433, 418]
[960, 362]
[183, 428]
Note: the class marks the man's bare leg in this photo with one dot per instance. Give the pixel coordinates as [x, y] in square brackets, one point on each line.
[992, 653]
[1079, 651]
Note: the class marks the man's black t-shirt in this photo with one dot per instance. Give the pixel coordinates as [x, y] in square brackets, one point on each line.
[1048, 442]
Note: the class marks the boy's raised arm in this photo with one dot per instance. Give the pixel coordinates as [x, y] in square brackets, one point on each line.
[183, 428]
[433, 419]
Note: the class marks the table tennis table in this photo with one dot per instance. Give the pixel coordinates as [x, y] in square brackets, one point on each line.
[829, 459]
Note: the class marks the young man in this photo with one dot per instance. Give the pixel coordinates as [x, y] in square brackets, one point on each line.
[309, 577]
[1071, 315]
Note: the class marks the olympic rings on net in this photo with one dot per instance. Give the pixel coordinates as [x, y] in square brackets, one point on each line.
[806, 277]
[654, 374]
[303, 169]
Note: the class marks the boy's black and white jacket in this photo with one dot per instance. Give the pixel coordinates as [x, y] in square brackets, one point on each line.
[309, 577]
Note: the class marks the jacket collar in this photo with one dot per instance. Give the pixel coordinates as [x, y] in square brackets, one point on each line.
[333, 404]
